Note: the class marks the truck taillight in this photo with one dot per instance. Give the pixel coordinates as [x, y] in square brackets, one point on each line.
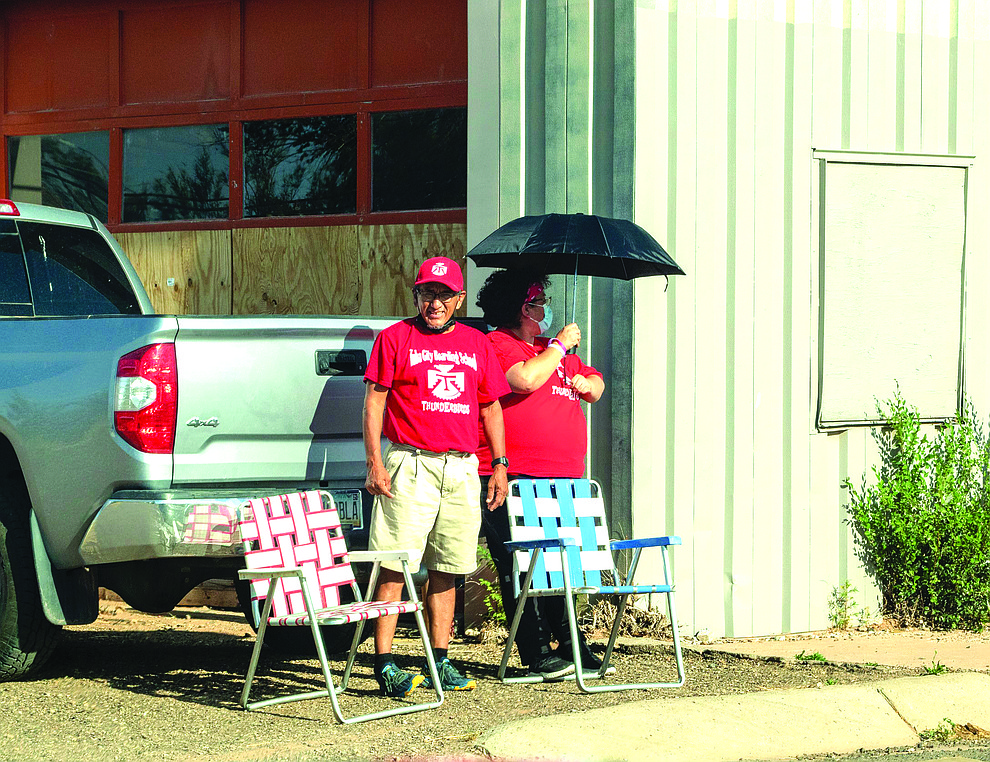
[8, 209]
[147, 397]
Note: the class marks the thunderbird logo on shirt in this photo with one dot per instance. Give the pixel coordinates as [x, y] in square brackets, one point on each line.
[444, 383]
[566, 388]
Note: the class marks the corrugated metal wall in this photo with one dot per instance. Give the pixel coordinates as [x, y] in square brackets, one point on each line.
[729, 100]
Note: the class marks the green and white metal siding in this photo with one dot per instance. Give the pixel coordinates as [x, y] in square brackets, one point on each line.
[699, 120]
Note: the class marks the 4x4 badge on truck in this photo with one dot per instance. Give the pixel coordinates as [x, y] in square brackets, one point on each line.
[214, 421]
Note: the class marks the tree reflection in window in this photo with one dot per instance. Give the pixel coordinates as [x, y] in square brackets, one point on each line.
[419, 160]
[300, 166]
[70, 171]
[176, 173]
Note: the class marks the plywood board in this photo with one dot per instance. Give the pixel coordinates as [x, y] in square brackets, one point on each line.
[185, 272]
[305, 270]
[390, 258]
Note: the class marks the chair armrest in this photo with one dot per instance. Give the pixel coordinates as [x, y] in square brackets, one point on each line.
[282, 571]
[646, 542]
[379, 555]
[556, 542]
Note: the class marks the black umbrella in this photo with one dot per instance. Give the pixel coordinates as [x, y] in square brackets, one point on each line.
[582, 244]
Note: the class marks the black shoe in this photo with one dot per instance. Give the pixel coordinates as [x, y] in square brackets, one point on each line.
[551, 667]
[589, 662]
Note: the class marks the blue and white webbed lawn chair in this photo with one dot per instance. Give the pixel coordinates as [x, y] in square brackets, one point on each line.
[560, 542]
[297, 561]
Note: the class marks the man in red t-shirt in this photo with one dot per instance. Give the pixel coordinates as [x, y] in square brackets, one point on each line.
[545, 436]
[429, 380]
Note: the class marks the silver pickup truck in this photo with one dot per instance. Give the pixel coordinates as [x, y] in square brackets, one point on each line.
[128, 440]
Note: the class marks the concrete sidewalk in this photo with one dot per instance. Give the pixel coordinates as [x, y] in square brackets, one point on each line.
[776, 724]
[910, 647]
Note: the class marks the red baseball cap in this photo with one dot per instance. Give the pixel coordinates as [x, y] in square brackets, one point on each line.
[441, 270]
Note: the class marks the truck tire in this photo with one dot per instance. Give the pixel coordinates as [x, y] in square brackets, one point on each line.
[27, 638]
[298, 641]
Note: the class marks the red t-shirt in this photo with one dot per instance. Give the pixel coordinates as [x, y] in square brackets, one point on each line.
[545, 430]
[436, 382]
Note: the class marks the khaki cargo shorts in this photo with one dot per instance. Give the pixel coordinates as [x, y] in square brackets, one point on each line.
[434, 511]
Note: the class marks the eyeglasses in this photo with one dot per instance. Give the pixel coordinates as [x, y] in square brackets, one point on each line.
[542, 301]
[431, 296]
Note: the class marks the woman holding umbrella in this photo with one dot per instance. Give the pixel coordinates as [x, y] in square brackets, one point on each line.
[545, 436]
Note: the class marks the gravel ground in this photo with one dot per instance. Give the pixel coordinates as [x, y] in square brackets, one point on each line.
[135, 686]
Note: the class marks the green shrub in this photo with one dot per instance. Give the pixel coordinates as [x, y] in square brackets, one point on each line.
[494, 609]
[924, 527]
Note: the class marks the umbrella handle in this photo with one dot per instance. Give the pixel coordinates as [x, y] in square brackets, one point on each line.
[574, 292]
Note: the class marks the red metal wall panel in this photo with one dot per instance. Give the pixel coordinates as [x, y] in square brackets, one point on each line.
[58, 62]
[83, 65]
[418, 41]
[297, 46]
[181, 55]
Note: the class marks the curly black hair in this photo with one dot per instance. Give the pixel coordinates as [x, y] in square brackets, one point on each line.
[503, 294]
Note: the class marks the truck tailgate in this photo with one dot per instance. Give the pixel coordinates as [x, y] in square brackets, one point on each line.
[271, 399]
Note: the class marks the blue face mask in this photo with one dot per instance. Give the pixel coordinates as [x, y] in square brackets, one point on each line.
[547, 318]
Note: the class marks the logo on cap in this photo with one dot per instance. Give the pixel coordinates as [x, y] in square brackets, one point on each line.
[439, 268]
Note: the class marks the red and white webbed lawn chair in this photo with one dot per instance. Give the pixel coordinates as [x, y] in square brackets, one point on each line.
[297, 561]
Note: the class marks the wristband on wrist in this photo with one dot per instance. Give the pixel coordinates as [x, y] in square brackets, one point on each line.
[558, 345]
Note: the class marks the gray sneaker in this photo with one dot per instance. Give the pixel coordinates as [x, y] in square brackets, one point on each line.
[450, 678]
[397, 682]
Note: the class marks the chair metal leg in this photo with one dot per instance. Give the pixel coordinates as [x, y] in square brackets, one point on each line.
[321, 654]
[619, 610]
[424, 636]
[359, 630]
[514, 628]
[352, 653]
[672, 613]
[430, 661]
[507, 651]
[256, 651]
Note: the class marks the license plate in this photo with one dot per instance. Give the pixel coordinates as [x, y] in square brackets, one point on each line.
[348, 504]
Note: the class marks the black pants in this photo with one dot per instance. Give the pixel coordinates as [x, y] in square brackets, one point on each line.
[542, 618]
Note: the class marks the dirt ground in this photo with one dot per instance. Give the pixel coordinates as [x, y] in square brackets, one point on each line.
[135, 686]
[882, 644]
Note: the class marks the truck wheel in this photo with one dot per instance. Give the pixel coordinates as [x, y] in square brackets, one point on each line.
[299, 640]
[27, 638]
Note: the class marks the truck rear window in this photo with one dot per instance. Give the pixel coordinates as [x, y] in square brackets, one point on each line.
[15, 297]
[73, 271]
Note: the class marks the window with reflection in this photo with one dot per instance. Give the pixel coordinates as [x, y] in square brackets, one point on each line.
[73, 271]
[300, 166]
[70, 171]
[15, 296]
[419, 160]
[176, 173]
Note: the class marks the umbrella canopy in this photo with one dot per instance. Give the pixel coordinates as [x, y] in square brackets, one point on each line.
[578, 244]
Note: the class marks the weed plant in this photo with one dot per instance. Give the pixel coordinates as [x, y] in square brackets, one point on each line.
[942, 733]
[924, 526]
[841, 604]
[936, 667]
[842, 608]
[494, 608]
